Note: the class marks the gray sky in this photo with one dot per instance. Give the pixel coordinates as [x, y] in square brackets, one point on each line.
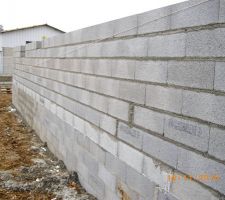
[70, 15]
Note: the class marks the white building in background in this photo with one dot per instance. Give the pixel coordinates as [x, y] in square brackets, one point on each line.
[20, 36]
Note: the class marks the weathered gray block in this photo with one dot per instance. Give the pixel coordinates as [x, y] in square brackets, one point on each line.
[111, 195]
[222, 11]
[191, 15]
[103, 68]
[83, 141]
[107, 178]
[92, 132]
[164, 98]
[92, 83]
[205, 106]
[149, 119]
[191, 74]
[130, 135]
[219, 83]
[75, 51]
[124, 48]
[160, 149]
[130, 156]
[188, 190]
[89, 161]
[109, 87]
[206, 43]
[167, 45]
[97, 32]
[108, 143]
[152, 71]
[154, 20]
[134, 92]
[217, 143]
[97, 184]
[124, 191]
[119, 109]
[97, 152]
[191, 133]
[88, 65]
[123, 69]
[115, 166]
[108, 124]
[157, 172]
[196, 165]
[162, 195]
[140, 184]
[125, 26]
[99, 102]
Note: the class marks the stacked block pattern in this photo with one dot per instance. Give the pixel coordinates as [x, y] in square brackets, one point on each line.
[136, 105]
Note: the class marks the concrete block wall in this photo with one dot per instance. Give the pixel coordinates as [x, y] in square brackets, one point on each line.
[136, 105]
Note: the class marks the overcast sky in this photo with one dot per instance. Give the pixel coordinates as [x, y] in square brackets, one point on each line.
[70, 15]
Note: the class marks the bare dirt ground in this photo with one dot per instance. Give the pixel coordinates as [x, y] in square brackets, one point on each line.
[27, 168]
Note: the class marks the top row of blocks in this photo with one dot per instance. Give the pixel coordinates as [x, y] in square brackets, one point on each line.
[182, 15]
[187, 14]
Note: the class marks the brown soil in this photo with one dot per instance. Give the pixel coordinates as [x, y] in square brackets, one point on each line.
[21, 177]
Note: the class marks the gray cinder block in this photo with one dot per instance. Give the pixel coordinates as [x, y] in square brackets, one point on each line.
[191, 15]
[191, 133]
[107, 177]
[222, 11]
[149, 119]
[123, 69]
[152, 71]
[134, 92]
[130, 156]
[186, 189]
[164, 98]
[108, 124]
[118, 109]
[167, 45]
[205, 106]
[160, 149]
[219, 83]
[191, 74]
[115, 166]
[97, 152]
[109, 143]
[97, 184]
[196, 165]
[217, 143]
[206, 43]
[125, 26]
[124, 48]
[162, 195]
[130, 135]
[154, 20]
[99, 102]
[140, 183]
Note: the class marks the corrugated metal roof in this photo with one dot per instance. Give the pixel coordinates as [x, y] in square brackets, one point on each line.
[35, 26]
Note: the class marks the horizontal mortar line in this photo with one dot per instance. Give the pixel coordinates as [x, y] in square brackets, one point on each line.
[166, 85]
[194, 119]
[149, 58]
[146, 154]
[146, 130]
[150, 34]
[146, 58]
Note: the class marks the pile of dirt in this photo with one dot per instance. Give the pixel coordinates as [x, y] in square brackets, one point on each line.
[28, 170]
